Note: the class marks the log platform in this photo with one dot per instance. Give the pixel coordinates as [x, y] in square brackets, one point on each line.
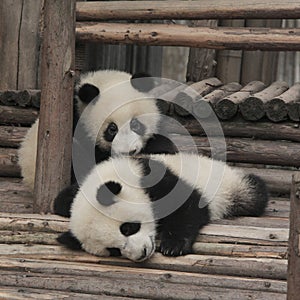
[243, 258]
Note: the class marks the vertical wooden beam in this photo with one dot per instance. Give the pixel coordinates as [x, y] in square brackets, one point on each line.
[201, 63]
[55, 127]
[10, 22]
[294, 241]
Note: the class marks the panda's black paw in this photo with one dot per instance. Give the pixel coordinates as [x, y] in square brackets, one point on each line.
[175, 247]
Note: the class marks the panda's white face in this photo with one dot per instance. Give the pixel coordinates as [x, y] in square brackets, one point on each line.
[114, 215]
[116, 115]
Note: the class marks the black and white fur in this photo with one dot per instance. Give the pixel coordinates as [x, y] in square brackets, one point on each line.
[115, 209]
[116, 114]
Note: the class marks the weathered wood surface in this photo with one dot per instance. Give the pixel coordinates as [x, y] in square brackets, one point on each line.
[53, 163]
[127, 281]
[240, 259]
[292, 98]
[255, 107]
[21, 97]
[11, 136]
[31, 293]
[200, 108]
[182, 35]
[227, 107]
[9, 162]
[294, 242]
[201, 62]
[14, 196]
[238, 127]
[244, 150]
[20, 43]
[230, 9]
[10, 115]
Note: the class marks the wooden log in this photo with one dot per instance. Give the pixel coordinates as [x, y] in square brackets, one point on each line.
[254, 107]
[40, 294]
[203, 107]
[184, 100]
[245, 150]
[116, 284]
[238, 127]
[227, 107]
[182, 35]
[243, 232]
[11, 136]
[16, 115]
[294, 242]
[284, 104]
[294, 110]
[263, 221]
[225, 9]
[21, 98]
[33, 223]
[266, 268]
[9, 163]
[277, 108]
[57, 68]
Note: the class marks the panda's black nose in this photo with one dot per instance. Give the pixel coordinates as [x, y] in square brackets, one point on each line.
[128, 229]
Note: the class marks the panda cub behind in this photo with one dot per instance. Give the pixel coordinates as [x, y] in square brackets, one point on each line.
[125, 203]
[115, 114]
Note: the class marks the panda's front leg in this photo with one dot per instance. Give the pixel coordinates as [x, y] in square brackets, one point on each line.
[179, 230]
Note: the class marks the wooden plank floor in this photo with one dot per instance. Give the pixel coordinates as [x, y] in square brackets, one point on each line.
[244, 258]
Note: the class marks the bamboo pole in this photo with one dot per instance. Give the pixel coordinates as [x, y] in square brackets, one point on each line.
[55, 126]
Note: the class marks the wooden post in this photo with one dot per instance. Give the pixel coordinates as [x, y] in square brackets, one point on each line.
[55, 126]
[294, 241]
[201, 63]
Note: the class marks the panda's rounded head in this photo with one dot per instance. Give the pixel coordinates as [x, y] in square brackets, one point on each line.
[116, 110]
[111, 211]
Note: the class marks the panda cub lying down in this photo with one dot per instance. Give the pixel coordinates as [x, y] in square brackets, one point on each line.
[125, 203]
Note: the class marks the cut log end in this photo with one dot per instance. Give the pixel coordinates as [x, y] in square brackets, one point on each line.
[252, 109]
[226, 109]
[276, 110]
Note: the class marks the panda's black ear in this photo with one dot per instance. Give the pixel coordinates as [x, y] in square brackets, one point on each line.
[88, 92]
[107, 191]
[142, 82]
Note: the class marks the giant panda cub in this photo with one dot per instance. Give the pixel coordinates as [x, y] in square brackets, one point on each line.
[125, 203]
[114, 112]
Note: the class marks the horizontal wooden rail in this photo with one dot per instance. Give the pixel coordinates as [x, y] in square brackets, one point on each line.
[181, 35]
[205, 9]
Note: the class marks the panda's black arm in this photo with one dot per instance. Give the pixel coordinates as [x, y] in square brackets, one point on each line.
[159, 144]
[179, 230]
[62, 203]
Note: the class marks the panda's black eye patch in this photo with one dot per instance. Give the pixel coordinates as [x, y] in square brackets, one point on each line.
[88, 92]
[137, 127]
[110, 132]
[128, 229]
[107, 191]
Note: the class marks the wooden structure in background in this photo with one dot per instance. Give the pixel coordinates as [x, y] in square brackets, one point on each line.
[294, 241]
[20, 45]
[53, 162]
[237, 259]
